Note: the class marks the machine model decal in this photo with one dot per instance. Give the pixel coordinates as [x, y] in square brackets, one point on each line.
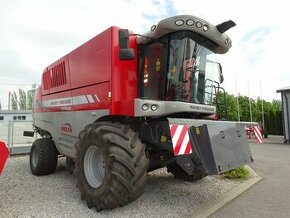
[69, 101]
[180, 139]
[202, 107]
[66, 128]
[90, 98]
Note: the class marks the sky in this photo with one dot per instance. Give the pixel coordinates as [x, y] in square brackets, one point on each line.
[34, 33]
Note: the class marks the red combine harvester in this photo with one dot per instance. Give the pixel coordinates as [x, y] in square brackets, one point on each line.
[123, 104]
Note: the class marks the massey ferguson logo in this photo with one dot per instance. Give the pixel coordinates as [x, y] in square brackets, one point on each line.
[66, 128]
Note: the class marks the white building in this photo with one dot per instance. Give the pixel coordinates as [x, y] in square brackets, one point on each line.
[16, 115]
[12, 125]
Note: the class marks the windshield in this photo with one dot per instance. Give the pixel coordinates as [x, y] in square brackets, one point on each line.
[180, 69]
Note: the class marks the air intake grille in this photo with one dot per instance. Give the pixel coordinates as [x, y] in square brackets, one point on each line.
[58, 75]
[54, 77]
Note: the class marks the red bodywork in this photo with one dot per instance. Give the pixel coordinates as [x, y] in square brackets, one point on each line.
[94, 72]
[4, 153]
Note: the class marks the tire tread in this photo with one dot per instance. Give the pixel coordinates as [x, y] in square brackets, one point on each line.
[47, 156]
[128, 165]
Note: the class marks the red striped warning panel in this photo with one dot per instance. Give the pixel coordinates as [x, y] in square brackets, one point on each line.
[180, 139]
[258, 134]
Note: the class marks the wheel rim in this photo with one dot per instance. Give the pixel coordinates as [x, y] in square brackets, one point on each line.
[94, 166]
[34, 157]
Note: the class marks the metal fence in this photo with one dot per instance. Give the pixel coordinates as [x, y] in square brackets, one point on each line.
[12, 134]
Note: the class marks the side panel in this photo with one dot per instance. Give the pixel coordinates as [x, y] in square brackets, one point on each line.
[64, 129]
[84, 85]
[91, 63]
[75, 92]
[124, 78]
[67, 113]
[91, 97]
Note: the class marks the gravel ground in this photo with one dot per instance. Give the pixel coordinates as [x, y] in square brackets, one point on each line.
[56, 195]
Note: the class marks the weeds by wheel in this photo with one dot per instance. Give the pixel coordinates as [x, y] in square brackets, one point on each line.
[179, 173]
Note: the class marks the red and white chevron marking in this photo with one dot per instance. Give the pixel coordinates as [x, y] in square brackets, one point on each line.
[180, 139]
[258, 134]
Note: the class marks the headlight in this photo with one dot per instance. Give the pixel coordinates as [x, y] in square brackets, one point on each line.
[154, 107]
[145, 107]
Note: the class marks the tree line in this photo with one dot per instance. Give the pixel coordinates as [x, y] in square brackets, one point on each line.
[20, 100]
[272, 111]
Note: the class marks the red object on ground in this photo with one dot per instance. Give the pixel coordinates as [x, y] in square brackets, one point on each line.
[258, 134]
[4, 153]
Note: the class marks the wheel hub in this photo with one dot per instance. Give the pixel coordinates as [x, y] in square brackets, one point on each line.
[94, 166]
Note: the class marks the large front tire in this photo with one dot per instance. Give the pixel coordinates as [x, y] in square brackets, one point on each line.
[111, 165]
[43, 157]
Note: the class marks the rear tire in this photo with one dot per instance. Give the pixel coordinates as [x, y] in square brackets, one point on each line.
[111, 165]
[43, 157]
[179, 173]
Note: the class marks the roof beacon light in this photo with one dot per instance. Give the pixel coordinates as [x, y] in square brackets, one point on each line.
[198, 24]
[153, 28]
[205, 27]
[189, 22]
[179, 22]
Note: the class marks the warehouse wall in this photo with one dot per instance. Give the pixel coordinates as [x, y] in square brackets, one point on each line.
[285, 95]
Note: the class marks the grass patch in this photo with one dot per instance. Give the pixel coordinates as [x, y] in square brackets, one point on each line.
[237, 173]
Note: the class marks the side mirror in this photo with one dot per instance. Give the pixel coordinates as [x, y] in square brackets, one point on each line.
[220, 69]
[125, 53]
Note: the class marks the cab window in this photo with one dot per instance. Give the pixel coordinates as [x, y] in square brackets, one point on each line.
[153, 70]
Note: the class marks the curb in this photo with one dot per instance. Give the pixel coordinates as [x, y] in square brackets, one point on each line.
[221, 201]
[266, 142]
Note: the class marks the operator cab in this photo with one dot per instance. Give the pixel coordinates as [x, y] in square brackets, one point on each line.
[178, 70]
[180, 66]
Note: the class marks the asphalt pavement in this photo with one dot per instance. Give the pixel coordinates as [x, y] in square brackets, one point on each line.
[271, 196]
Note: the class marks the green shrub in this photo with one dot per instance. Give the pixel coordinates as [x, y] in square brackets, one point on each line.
[237, 173]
